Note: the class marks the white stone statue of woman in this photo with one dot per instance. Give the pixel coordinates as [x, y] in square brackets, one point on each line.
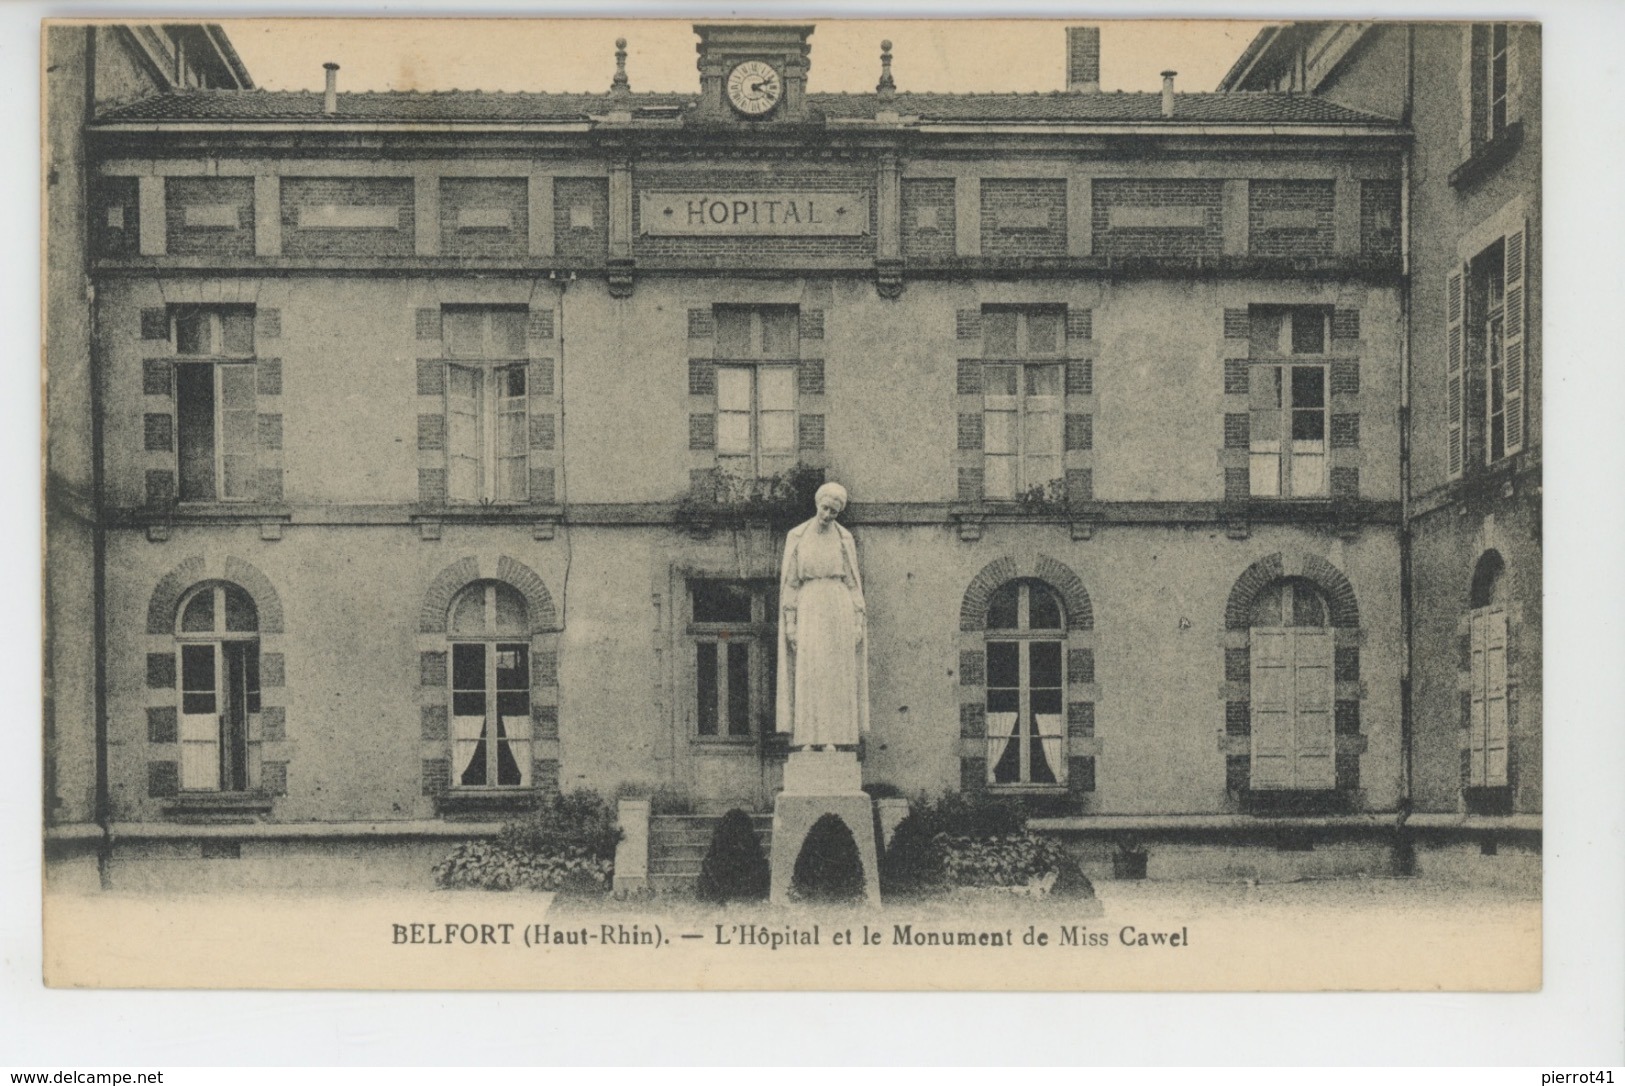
[823, 652]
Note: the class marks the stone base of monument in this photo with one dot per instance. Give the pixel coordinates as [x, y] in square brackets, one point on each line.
[819, 783]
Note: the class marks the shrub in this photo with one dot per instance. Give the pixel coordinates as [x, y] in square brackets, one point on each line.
[828, 868]
[567, 844]
[970, 840]
[734, 868]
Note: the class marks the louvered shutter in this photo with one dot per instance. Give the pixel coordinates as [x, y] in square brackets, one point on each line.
[1487, 719]
[1271, 693]
[1514, 87]
[239, 432]
[1315, 764]
[1513, 339]
[1454, 372]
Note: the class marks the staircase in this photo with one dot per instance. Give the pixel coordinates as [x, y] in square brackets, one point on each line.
[677, 846]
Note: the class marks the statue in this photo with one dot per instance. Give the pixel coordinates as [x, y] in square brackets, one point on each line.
[823, 677]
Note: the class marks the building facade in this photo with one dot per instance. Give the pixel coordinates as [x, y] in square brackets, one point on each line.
[1470, 93]
[447, 443]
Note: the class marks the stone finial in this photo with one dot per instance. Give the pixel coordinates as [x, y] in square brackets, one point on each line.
[620, 85]
[887, 86]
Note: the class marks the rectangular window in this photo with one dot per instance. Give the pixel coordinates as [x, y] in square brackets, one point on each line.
[220, 698]
[1287, 420]
[757, 348]
[487, 405]
[1487, 720]
[1495, 75]
[734, 629]
[1293, 739]
[1493, 349]
[1022, 398]
[490, 711]
[215, 414]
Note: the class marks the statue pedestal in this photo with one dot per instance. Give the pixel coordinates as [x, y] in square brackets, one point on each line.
[819, 783]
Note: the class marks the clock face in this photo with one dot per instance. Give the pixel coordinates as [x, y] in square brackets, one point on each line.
[754, 88]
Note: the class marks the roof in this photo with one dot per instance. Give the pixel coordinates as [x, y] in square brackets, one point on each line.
[458, 106]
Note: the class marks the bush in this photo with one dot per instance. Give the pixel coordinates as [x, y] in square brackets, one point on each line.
[970, 840]
[567, 844]
[734, 868]
[828, 868]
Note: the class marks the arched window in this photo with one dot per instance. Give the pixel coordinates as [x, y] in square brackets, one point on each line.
[1292, 689]
[217, 640]
[1026, 684]
[1487, 730]
[490, 687]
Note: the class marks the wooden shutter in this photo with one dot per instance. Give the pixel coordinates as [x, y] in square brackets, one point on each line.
[1271, 693]
[1464, 85]
[1487, 719]
[239, 432]
[1314, 740]
[1293, 745]
[1514, 86]
[1513, 338]
[1455, 330]
[464, 453]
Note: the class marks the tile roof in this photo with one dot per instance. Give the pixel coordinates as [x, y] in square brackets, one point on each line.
[1251, 107]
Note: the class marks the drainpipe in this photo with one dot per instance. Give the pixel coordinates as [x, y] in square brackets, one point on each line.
[103, 814]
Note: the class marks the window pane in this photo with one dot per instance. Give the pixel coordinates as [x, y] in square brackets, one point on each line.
[1043, 380]
[468, 667]
[1267, 606]
[1006, 751]
[1264, 387]
[463, 331]
[468, 611]
[1043, 437]
[738, 688]
[1044, 668]
[192, 331]
[734, 333]
[733, 388]
[1003, 663]
[463, 382]
[1043, 608]
[237, 331]
[1001, 610]
[513, 668]
[512, 757]
[1308, 609]
[1264, 429]
[721, 601]
[199, 614]
[1002, 700]
[1264, 332]
[1264, 474]
[1308, 425]
[1308, 470]
[513, 707]
[241, 616]
[733, 432]
[1047, 701]
[779, 338]
[1308, 386]
[251, 675]
[197, 670]
[512, 484]
[512, 614]
[194, 424]
[1043, 331]
[512, 438]
[778, 388]
[469, 706]
[1308, 331]
[512, 382]
[1001, 380]
[999, 333]
[778, 431]
[508, 332]
[705, 687]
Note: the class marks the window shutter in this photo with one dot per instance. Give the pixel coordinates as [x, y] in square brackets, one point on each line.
[1271, 693]
[239, 432]
[1514, 86]
[1312, 682]
[1464, 84]
[1454, 374]
[1513, 338]
[1487, 716]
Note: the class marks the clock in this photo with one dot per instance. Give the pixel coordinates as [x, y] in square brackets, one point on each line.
[754, 88]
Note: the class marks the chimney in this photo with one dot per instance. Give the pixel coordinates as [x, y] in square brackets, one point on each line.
[1083, 59]
[330, 103]
[1168, 93]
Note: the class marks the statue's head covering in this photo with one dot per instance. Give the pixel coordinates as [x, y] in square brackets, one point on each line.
[834, 490]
